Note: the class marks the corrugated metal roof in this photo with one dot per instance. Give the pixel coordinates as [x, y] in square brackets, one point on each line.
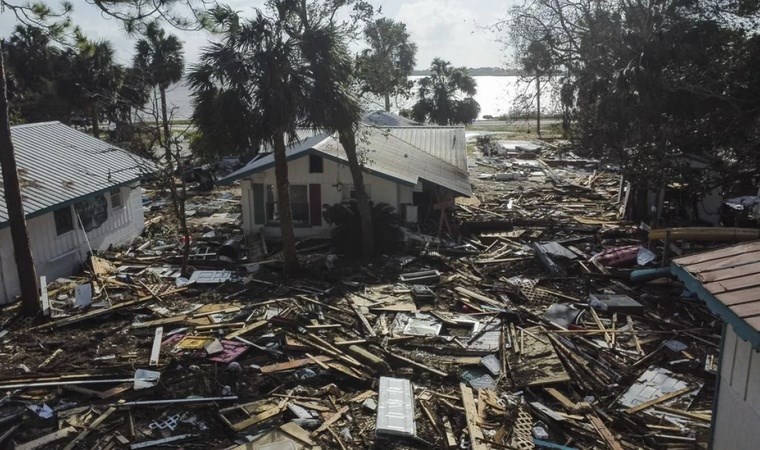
[58, 165]
[446, 143]
[385, 156]
[728, 280]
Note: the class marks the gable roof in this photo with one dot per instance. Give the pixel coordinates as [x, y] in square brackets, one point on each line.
[386, 156]
[728, 281]
[58, 165]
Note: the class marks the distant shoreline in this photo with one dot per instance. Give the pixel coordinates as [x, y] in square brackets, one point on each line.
[480, 72]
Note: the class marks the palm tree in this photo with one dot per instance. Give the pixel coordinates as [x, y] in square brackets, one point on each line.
[289, 69]
[93, 78]
[537, 61]
[334, 107]
[385, 67]
[160, 59]
[445, 96]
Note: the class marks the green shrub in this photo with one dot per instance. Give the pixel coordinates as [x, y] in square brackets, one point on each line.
[347, 232]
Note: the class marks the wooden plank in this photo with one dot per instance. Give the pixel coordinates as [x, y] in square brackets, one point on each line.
[334, 418]
[716, 254]
[95, 424]
[734, 272]
[246, 329]
[471, 415]
[678, 412]
[725, 263]
[737, 297]
[754, 322]
[479, 297]
[159, 322]
[560, 397]
[734, 284]
[258, 418]
[293, 429]
[290, 365]
[156, 350]
[451, 440]
[47, 439]
[660, 399]
[747, 309]
[420, 365]
[604, 432]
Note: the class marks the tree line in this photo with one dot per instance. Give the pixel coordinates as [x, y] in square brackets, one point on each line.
[650, 86]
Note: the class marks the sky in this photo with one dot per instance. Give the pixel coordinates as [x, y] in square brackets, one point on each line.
[455, 30]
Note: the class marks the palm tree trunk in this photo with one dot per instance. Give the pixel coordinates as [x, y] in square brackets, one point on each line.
[94, 119]
[538, 105]
[283, 203]
[347, 139]
[178, 198]
[387, 102]
[27, 276]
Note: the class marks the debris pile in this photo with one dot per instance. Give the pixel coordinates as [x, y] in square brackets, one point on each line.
[525, 331]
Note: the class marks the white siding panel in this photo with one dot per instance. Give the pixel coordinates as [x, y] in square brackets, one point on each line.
[59, 256]
[728, 352]
[741, 367]
[246, 200]
[738, 408]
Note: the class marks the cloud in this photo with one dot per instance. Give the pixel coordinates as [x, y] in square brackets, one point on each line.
[454, 30]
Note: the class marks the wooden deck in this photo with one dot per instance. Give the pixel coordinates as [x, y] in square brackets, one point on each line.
[732, 276]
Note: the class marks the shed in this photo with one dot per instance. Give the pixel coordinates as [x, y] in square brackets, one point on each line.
[728, 281]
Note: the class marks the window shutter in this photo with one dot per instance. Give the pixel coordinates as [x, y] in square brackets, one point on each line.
[315, 204]
[259, 216]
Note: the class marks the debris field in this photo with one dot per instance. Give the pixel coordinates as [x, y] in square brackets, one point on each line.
[542, 321]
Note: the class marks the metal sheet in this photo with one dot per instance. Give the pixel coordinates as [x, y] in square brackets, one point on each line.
[210, 276]
[395, 408]
[58, 164]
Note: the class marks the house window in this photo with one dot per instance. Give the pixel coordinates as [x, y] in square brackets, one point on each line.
[299, 204]
[116, 199]
[316, 164]
[63, 220]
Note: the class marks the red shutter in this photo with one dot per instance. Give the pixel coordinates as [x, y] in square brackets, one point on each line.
[315, 204]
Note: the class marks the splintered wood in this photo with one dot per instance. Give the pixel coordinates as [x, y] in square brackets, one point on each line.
[537, 362]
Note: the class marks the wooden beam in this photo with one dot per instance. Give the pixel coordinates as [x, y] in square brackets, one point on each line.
[471, 415]
[246, 329]
[47, 439]
[95, 424]
[334, 418]
[660, 399]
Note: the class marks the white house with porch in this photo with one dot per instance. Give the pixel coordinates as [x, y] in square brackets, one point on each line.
[409, 167]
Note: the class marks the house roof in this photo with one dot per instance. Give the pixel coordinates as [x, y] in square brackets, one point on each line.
[446, 143]
[385, 155]
[728, 280]
[58, 165]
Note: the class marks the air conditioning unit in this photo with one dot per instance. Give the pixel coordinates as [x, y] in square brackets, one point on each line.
[409, 213]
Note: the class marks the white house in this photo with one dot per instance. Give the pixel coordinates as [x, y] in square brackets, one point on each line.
[409, 167]
[728, 281]
[78, 193]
